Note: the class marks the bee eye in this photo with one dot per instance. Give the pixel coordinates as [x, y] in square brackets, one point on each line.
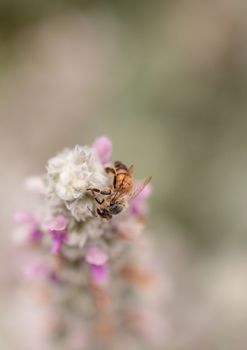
[116, 209]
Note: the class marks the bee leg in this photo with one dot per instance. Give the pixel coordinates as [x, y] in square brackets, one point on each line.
[93, 191]
[98, 201]
[105, 193]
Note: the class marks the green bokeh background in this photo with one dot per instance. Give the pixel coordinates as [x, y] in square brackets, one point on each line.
[176, 106]
[173, 100]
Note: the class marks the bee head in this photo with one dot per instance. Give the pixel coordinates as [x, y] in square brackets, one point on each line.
[115, 207]
[104, 213]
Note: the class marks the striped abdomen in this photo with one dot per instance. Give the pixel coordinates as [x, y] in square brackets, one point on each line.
[123, 180]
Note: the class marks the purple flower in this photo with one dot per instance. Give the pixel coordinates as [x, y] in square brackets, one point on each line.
[36, 235]
[57, 229]
[58, 239]
[58, 223]
[97, 258]
[40, 270]
[103, 147]
[99, 273]
[137, 205]
[32, 223]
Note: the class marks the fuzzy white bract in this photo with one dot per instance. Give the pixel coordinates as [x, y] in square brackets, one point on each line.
[71, 172]
[69, 175]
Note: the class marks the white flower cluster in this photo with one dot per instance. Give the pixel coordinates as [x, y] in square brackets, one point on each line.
[70, 174]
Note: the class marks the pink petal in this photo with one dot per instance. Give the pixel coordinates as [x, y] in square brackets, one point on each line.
[58, 239]
[96, 256]
[99, 274]
[103, 147]
[36, 235]
[58, 223]
[56, 247]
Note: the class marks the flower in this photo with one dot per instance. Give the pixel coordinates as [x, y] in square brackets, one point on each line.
[72, 172]
[57, 229]
[69, 175]
[58, 223]
[78, 252]
[97, 258]
[103, 147]
[39, 270]
[99, 273]
[80, 208]
[32, 226]
[58, 239]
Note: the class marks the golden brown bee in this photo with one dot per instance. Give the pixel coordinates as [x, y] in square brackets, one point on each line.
[123, 190]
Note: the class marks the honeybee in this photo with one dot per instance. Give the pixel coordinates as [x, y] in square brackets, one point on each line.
[123, 189]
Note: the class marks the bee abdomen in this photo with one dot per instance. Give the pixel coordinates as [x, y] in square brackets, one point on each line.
[123, 182]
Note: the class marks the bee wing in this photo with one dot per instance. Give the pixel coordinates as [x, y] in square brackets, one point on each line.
[138, 188]
[131, 169]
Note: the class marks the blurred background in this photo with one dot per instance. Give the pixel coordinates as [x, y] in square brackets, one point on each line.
[167, 82]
